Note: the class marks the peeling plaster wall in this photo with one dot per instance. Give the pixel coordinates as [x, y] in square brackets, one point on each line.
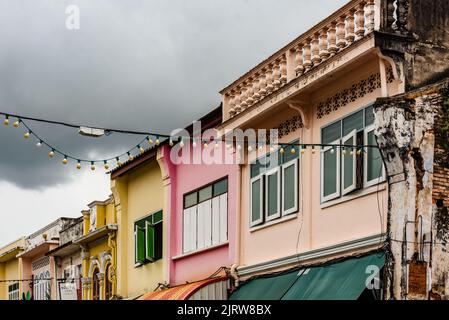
[405, 134]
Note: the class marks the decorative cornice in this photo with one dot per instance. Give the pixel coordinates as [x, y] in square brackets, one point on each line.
[306, 257]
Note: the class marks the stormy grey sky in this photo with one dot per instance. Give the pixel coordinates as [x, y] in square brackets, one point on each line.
[135, 64]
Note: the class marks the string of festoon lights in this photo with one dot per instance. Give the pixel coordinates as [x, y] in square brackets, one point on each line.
[153, 139]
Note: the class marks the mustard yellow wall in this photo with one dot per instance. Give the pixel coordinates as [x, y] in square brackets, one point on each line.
[8, 271]
[137, 195]
[110, 214]
[3, 288]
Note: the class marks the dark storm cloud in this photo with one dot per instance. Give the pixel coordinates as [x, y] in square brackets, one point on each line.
[134, 64]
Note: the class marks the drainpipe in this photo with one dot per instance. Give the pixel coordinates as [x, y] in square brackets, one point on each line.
[238, 227]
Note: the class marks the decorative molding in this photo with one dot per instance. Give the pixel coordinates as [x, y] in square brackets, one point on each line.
[286, 127]
[306, 257]
[351, 94]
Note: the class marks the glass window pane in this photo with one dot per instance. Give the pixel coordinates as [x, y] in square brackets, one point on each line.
[220, 187]
[255, 169]
[255, 200]
[157, 217]
[354, 121]
[348, 164]
[288, 155]
[330, 172]
[190, 200]
[273, 187]
[374, 170]
[331, 133]
[205, 194]
[289, 187]
[369, 116]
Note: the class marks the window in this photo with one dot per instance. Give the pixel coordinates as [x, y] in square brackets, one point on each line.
[41, 286]
[14, 291]
[96, 285]
[148, 239]
[108, 283]
[274, 186]
[205, 217]
[344, 170]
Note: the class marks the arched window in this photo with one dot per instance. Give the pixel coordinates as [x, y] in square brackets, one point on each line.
[95, 285]
[108, 283]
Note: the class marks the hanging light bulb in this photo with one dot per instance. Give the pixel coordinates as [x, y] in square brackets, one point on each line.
[332, 150]
[260, 147]
[92, 166]
[78, 165]
[118, 162]
[106, 165]
[39, 144]
[272, 149]
[313, 150]
[293, 150]
[250, 149]
[6, 121]
[359, 152]
[352, 152]
[16, 124]
[150, 141]
[216, 146]
[158, 142]
[26, 135]
[281, 150]
[303, 150]
[343, 152]
[65, 161]
[205, 144]
[239, 147]
[51, 154]
[181, 144]
[130, 157]
[170, 143]
[141, 149]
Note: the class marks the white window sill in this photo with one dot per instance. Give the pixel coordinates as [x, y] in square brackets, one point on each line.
[188, 254]
[273, 222]
[358, 194]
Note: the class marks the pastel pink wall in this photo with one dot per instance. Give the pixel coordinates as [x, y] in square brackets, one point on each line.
[183, 179]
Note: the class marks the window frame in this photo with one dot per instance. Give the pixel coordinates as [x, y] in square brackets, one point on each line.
[148, 219]
[337, 193]
[295, 208]
[269, 173]
[353, 186]
[369, 183]
[196, 206]
[260, 178]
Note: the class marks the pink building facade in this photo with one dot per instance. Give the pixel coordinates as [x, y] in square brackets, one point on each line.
[202, 202]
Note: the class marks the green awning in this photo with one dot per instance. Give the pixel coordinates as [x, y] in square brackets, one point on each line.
[343, 280]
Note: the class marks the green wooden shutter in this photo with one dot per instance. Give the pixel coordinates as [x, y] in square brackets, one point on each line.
[256, 200]
[150, 241]
[140, 244]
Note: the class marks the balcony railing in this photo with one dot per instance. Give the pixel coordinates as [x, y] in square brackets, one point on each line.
[349, 24]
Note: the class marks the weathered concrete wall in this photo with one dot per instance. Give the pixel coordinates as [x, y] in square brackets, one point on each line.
[418, 40]
[440, 225]
[417, 220]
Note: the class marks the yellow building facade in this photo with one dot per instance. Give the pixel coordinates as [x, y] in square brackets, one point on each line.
[10, 286]
[140, 200]
[98, 251]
